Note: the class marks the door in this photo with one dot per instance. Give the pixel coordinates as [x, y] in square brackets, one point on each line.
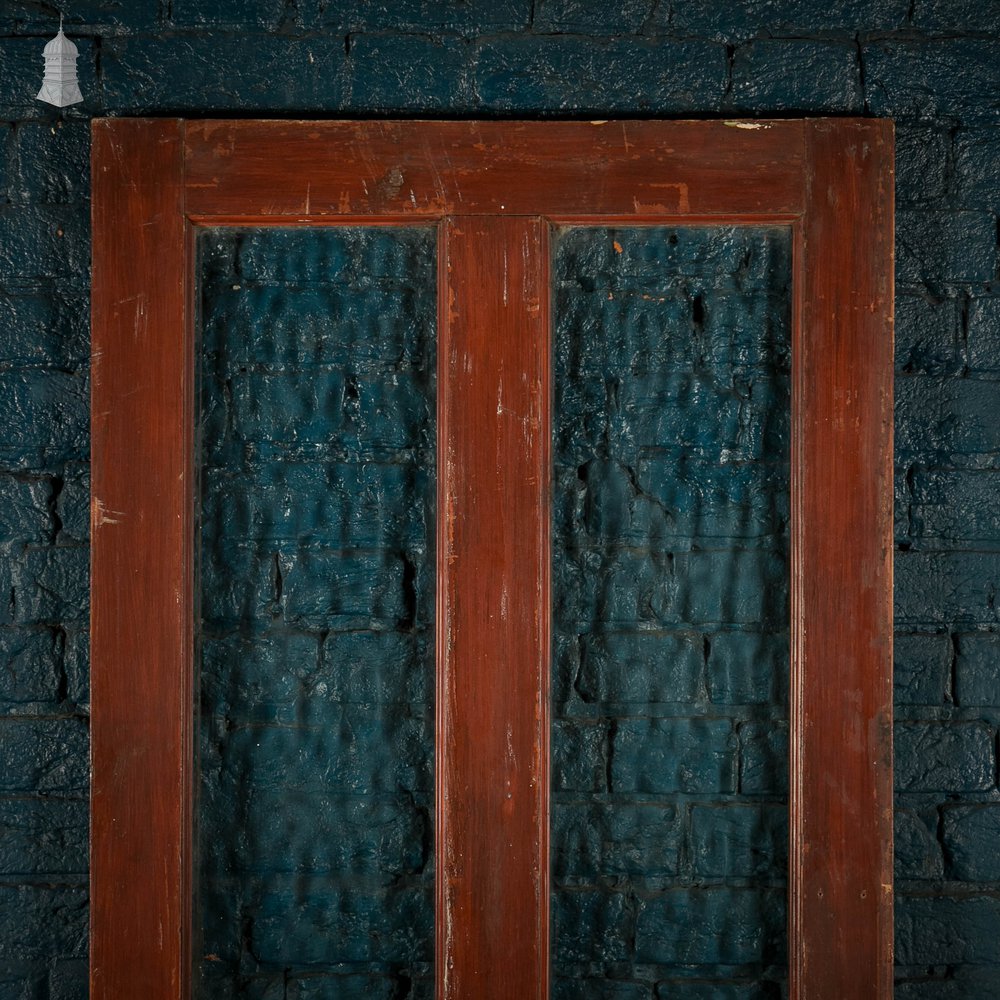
[458, 489]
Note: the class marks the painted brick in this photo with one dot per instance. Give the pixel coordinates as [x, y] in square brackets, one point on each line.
[351, 748]
[718, 990]
[53, 162]
[76, 665]
[72, 504]
[964, 983]
[592, 925]
[977, 670]
[44, 241]
[922, 153]
[85, 15]
[748, 668]
[976, 181]
[570, 73]
[928, 335]
[922, 668]
[622, 839]
[68, 979]
[43, 922]
[676, 500]
[942, 931]
[708, 927]
[44, 328]
[945, 246]
[335, 924]
[344, 504]
[950, 78]
[378, 839]
[745, 18]
[248, 15]
[916, 849]
[300, 331]
[43, 755]
[673, 755]
[431, 16]
[268, 674]
[776, 74]
[984, 334]
[199, 72]
[407, 72]
[350, 986]
[573, 16]
[936, 757]
[957, 508]
[47, 418]
[945, 420]
[25, 510]
[22, 980]
[641, 667]
[764, 758]
[6, 160]
[33, 666]
[938, 588]
[700, 588]
[971, 834]
[295, 414]
[330, 589]
[573, 988]
[579, 756]
[745, 841]
[50, 585]
[43, 836]
[956, 15]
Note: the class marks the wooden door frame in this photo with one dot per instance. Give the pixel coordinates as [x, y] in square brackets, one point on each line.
[156, 181]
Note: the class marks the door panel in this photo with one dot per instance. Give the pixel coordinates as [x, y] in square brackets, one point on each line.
[316, 746]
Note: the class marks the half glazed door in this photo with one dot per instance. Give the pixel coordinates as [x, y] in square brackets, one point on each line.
[491, 584]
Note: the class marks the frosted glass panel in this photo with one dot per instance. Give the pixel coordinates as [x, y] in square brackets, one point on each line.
[314, 819]
[670, 590]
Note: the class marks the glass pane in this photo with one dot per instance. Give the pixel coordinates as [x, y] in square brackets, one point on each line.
[670, 583]
[314, 874]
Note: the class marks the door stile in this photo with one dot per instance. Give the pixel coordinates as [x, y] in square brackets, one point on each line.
[142, 548]
[493, 621]
[840, 867]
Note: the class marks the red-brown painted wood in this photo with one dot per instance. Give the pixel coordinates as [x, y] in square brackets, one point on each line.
[831, 180]
[493, 559]
[562, 170]
[142, 536]
[841, 804]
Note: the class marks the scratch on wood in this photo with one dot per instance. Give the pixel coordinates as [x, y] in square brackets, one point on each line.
[100, 515]
[753, 126]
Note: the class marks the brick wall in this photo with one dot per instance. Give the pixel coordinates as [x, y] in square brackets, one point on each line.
[933, 65]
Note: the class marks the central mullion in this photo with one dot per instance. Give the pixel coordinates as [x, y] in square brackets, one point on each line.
[493, 610]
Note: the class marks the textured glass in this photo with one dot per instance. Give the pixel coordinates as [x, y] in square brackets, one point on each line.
[670, 588]
[314, 873]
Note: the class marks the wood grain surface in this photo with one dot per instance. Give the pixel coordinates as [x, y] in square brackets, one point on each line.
[142, 584]
[493, 571]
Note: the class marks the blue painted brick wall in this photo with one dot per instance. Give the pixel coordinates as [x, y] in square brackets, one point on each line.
[933, 65]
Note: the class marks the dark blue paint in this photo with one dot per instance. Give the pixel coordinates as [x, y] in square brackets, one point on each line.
[316, 722]
[932, 64]
[670, 575]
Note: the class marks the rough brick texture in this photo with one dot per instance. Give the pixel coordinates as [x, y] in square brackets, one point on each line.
[934, 65]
